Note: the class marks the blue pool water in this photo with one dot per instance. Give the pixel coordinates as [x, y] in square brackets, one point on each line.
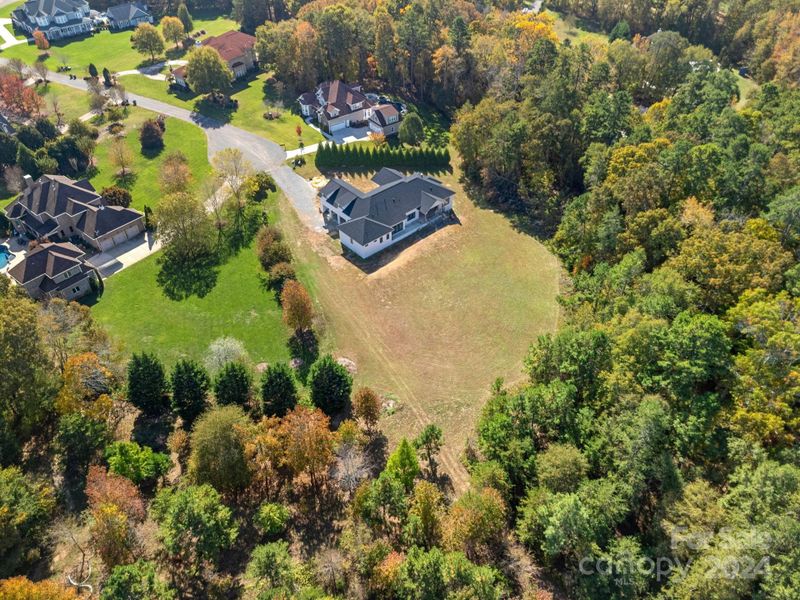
[4, 257]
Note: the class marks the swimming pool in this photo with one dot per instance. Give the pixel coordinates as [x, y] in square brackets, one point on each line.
[5, 257]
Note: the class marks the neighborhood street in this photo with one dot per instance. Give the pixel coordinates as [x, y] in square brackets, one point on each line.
[264, 154]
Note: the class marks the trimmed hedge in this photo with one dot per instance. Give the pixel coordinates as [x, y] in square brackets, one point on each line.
[358, 156]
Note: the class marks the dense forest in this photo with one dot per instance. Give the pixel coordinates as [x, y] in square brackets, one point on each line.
[652, 451]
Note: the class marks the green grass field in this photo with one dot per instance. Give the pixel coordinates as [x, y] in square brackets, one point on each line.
[144, 181]
[137, 314]
[71, 102]
[106, 49]
[255, 98]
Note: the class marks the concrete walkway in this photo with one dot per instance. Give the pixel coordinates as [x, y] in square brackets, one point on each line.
[153, 71]
[348, 135]
[264, 154]
[8, 37]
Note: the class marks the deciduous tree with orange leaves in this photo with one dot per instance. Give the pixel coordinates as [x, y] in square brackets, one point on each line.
[298, 310]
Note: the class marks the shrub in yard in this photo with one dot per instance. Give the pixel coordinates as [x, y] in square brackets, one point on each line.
[78, 439]
[278, 390]
[330, 385]
[258, 186]
[279, 274]
[117, 196]
[138, 463]
[137, 580]
[218, 454]
[275, 253]
[151, 135]
[271, 518]
[234, 384]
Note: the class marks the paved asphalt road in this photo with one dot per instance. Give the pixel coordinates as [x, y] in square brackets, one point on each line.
[264, 154]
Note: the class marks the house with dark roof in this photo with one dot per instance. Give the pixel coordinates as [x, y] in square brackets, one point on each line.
[336, 105]
[57, 19]
[369, 222]
[54, 270]
[55, 207]
[384, 119]
[127, 15]
[237, 49]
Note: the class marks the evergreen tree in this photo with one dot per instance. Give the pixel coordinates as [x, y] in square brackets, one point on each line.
[330, 385]
[233, 384]
[185, 17]
[403, 465]
[278, 390]
[92, 70]
[190, 384]
[146, 383]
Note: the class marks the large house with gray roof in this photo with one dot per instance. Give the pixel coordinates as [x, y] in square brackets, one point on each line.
[369, 222]
[337, 105]
[127, 15]
[57, 208]
[57, 19]
[54, 270]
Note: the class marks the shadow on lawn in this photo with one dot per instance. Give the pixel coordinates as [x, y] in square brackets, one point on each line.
[180, 279]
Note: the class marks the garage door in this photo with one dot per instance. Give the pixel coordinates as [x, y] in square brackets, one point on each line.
[106, 244]
[338, 126]
[120, 237]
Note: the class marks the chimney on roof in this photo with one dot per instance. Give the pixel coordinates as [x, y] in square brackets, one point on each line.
[28, 180]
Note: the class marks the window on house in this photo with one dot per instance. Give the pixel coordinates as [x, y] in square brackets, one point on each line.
[76, 289]
[411, 216]
[398, 228]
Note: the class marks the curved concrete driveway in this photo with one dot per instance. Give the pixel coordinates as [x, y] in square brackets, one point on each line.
[264, 154]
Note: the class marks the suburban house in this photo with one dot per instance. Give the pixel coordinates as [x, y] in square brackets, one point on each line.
[129, 14]
[385, 119]
[56, 207]
[54, 271]
[236, 48]
[55, 18]
[369, 222]
[336, 105]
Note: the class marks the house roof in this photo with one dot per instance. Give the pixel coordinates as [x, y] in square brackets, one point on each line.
[231, 44]
[386, 205]
[49, 259]
[335, 95]
[382, 112]
[54, 195]
[49, 8]
[127, 11]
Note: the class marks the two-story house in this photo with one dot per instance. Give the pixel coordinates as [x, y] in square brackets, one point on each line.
[336, 105]
[237, 49]
[55, 18]
[127, 15]
[385, 119]
[369, 222]
[56, 207]
[54, 271]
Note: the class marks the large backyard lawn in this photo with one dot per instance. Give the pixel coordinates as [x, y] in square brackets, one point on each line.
[72, 103]
[137, 314]
[255, 97]
[143, 181]
[433, 325]
[106, 49]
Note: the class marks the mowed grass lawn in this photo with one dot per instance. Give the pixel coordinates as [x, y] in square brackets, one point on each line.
[255, 97]
[143, 182]
[436, 324]
[138, 315]
[108, 49]
[71, 102]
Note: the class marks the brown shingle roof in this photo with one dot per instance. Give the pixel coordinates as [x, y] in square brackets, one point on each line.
[46, 259]
[231, 44]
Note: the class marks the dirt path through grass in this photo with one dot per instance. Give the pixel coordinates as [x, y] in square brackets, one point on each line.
[437, 325]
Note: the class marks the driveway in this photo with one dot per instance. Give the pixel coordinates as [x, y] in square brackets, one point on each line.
[7, 34]
[263, 153]
[124, 255]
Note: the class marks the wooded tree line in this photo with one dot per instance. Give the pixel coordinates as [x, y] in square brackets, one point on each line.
[665, 407]
[759, 34]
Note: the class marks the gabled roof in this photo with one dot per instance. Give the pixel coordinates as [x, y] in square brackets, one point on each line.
[231, 44]
[382, 112]
[335, 95]
[54, 195]
[49, 8]
[127, 11]
[47, 259]
[386, 205]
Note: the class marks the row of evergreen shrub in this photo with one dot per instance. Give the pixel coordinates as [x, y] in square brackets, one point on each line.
[360, 156]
